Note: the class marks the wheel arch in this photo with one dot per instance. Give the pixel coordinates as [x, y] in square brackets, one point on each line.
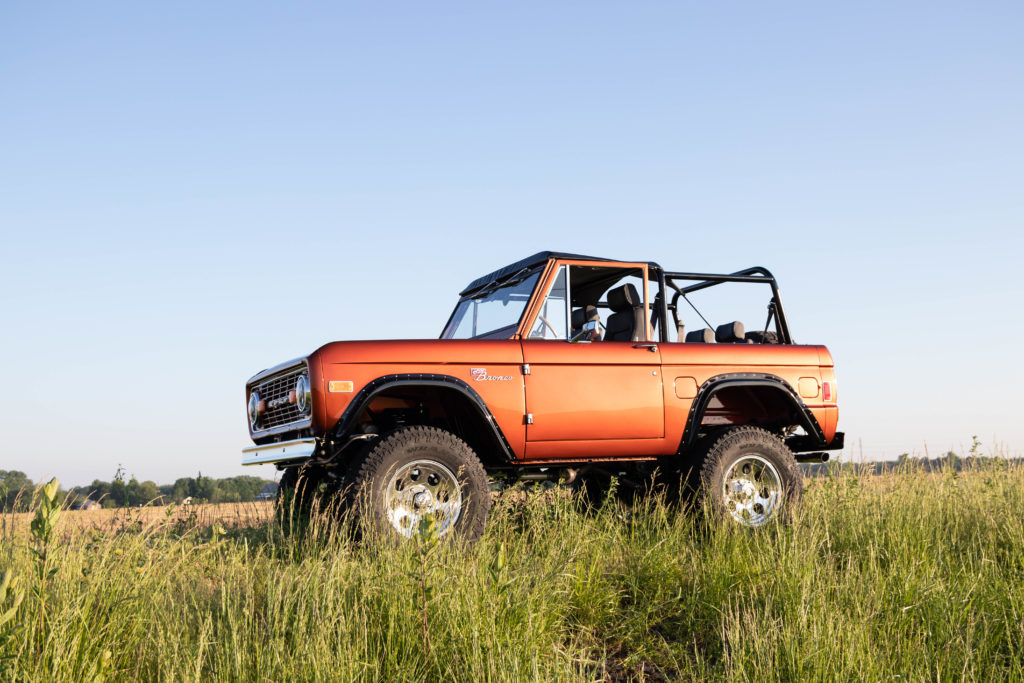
[761, 386]
[458, 399]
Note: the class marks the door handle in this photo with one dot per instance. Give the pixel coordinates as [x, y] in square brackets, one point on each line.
[653, 348]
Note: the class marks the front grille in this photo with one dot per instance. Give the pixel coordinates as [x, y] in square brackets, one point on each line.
[277, 387]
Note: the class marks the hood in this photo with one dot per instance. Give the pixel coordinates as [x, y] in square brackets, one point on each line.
[454, 351]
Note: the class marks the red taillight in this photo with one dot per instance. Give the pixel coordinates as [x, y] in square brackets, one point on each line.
[826, 391]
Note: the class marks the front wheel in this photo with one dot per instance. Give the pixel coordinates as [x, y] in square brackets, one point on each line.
[417, 474]
[750, 477]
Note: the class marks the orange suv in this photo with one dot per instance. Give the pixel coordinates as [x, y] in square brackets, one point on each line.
[561, 367]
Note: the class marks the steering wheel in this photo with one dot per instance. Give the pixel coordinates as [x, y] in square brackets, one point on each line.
[545, 323]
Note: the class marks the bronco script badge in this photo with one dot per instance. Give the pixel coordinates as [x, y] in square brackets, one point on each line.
[480, 375]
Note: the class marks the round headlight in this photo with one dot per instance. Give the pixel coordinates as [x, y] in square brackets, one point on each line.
[303, 398]
[255, 408]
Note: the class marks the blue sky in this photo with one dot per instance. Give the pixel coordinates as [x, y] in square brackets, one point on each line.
[191, 192]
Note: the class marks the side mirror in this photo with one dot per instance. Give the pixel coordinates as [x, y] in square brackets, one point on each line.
[591, 331]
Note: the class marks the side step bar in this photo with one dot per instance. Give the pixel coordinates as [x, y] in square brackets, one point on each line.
[284, 451]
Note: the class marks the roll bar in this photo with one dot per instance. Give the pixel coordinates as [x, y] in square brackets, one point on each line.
[705, 280]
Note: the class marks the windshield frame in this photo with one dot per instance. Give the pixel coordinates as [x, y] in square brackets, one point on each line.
[506, 331]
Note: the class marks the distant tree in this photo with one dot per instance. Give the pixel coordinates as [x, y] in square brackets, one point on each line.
[238, 489]
[206, 489]
[141, 493]
[120, 493]
[151, 493]
[183, 488]
[133, 492]
[15, 486]
[98, 490]
[951, 459]
[118, 489]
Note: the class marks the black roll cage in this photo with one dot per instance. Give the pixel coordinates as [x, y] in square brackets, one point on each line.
[665, 279]
[759, 274]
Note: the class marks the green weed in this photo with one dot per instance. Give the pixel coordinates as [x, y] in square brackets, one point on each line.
[910, 574]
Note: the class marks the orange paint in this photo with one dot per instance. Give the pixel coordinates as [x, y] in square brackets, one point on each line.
[587, 401]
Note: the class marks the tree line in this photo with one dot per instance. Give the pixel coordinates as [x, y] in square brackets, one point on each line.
[16, 491]
[905, 463]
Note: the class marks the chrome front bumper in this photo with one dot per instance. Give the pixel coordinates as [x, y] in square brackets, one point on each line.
[284, 451]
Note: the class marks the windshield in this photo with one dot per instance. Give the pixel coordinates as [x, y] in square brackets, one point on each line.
[494, 312]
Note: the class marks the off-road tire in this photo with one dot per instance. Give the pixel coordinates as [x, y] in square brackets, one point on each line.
[370, 475]
[736, 445]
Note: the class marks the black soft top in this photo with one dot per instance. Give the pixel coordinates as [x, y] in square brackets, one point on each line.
[527, 263]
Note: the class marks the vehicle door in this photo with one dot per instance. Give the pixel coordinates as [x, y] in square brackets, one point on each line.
[581, 388]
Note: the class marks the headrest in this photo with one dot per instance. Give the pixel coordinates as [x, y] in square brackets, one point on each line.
[623, 298]
[730, 332]
[762, 337]
[705, 336]
[584, 315]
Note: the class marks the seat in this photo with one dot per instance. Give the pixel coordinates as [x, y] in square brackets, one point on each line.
[626, 323]
[582, 316]
[705, 336]
[763, 337]
[731, 333]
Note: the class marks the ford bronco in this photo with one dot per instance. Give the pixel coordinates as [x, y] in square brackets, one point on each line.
[560, 367]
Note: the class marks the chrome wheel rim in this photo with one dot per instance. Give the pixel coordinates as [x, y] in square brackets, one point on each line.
[752, 491]
[420, 490]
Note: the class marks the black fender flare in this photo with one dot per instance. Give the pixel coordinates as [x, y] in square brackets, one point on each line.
[744, 379]
[387, 382]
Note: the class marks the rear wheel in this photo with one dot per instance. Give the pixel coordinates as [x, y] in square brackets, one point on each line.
[417, 474]
[749, 476]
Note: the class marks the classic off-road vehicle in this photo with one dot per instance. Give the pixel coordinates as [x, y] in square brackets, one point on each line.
[558, 366]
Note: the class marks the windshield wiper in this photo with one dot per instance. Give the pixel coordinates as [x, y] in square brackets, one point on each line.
[512, 279]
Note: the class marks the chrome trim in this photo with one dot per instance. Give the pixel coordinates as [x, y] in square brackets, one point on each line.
[303, 395]
[419, 490]
[283, 429]
[254, 409]
[288, 364]
[295, 365]
[752, 490]
[284, 451]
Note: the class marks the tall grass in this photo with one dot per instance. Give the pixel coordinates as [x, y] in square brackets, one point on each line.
[912, 575]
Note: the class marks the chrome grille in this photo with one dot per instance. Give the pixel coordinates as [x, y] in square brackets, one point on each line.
[277, 387]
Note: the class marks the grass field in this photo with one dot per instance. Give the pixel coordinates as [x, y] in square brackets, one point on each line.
[107, 520]
[909, 575]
